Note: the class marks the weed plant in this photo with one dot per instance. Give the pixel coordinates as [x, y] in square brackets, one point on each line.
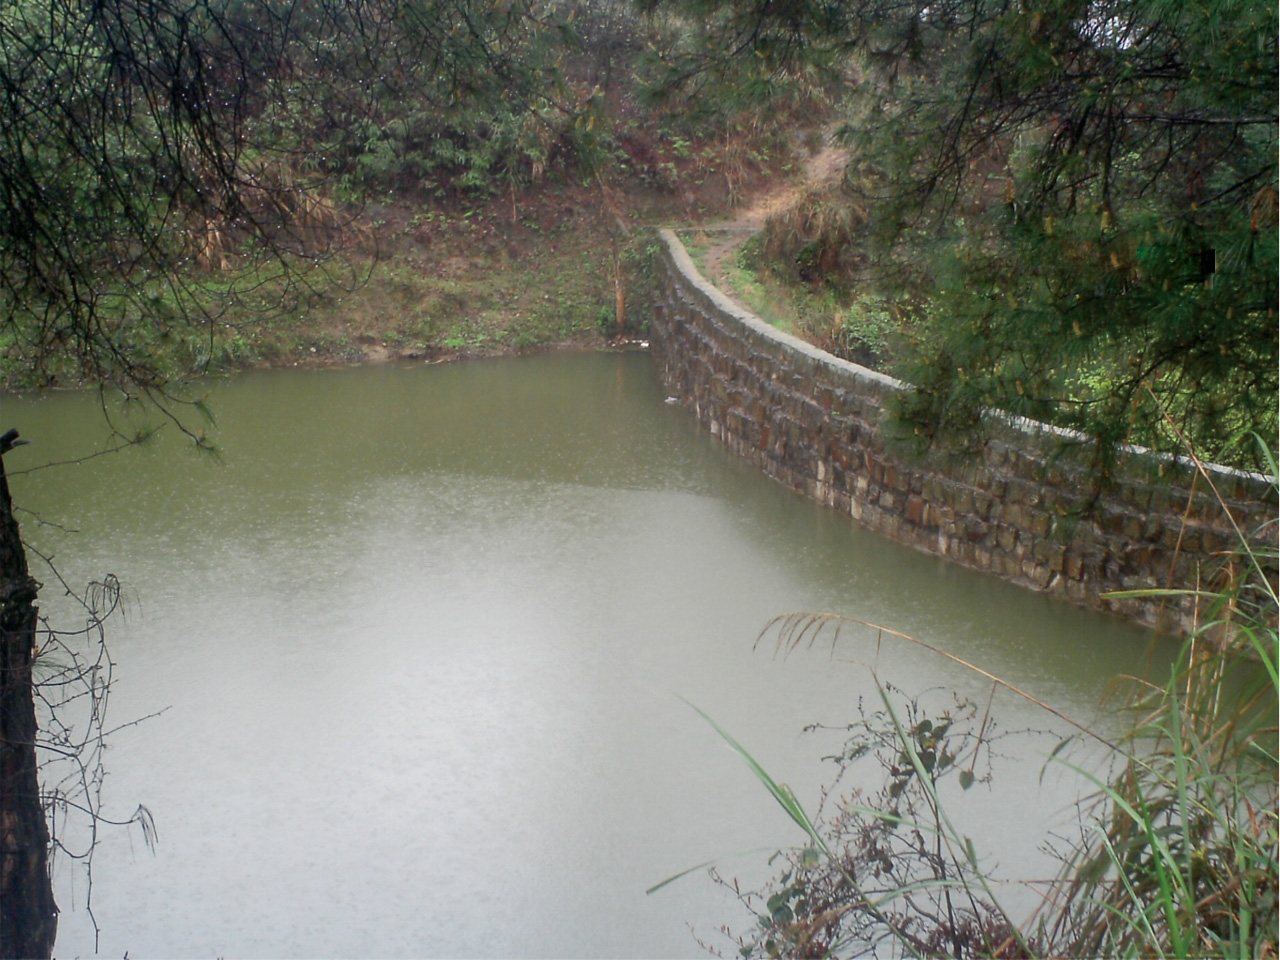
[847, 322]
[1180, 854]
[1178, 851]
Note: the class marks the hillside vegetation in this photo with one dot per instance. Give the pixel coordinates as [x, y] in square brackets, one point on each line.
[1066, 210]
[187, 189]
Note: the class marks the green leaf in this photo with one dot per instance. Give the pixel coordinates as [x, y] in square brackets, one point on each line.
[683, 873]
[779, 791]
[966, 779]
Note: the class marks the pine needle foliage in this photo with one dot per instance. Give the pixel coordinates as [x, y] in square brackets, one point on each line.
[1082, 199]
[167, 167]
[128, 153]
[1078, 196]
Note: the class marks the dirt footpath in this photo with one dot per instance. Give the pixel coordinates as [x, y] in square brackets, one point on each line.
[822, 167]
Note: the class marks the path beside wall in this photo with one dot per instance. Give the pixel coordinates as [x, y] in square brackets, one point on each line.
[1023, 509]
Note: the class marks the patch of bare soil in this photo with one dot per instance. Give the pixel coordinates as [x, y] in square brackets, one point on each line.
[450, 275]
[826, 165]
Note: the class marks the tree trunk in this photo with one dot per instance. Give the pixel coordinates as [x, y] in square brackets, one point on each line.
[28, 914]
[620, 293]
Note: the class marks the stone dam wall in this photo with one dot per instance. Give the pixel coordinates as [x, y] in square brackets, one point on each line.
[1022, 509]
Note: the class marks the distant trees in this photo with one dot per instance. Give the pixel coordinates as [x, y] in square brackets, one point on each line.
[163, 161]
[1075, 201]
[132, 149]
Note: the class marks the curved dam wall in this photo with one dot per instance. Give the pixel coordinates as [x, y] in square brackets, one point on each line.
[1023, 508]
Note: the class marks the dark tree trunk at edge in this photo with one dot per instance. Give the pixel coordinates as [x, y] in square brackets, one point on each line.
[28, 914]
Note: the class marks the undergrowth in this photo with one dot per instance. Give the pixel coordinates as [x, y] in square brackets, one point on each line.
[853, 325]
[1178, 848]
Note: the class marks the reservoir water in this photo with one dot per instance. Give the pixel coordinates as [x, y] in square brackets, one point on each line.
[423, 639]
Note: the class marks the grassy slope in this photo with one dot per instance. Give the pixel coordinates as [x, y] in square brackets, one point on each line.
[514, 272]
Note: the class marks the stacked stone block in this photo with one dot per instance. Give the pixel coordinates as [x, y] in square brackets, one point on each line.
[1026, 507]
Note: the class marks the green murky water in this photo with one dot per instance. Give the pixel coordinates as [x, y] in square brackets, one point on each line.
[422, 638]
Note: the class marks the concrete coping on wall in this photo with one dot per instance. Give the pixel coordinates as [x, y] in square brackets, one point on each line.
[1022, 425]
[748, 319]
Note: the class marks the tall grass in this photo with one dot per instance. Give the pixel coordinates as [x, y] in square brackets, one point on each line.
[1178, 853]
